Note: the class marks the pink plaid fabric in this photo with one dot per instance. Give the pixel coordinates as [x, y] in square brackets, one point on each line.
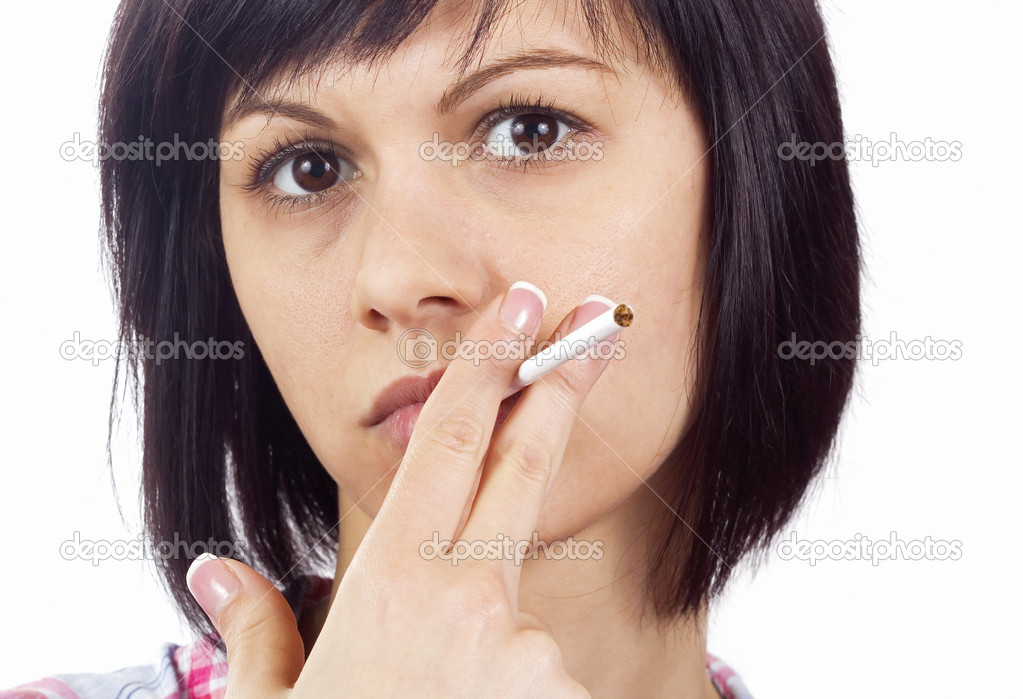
[202, 669]
[199, 671]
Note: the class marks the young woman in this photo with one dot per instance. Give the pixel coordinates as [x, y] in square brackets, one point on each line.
[384, 172]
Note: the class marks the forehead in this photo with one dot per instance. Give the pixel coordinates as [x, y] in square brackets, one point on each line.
[458, 38]
[583, 26]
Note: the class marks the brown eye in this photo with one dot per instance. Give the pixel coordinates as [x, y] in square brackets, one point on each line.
[311, 172]
[525, 134]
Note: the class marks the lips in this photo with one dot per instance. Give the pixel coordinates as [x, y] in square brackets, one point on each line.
[401, 393]
[396, 409]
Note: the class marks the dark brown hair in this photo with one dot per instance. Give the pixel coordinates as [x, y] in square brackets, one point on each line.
[222, 457]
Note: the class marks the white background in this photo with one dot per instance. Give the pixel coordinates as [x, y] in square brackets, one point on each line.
[928, 448]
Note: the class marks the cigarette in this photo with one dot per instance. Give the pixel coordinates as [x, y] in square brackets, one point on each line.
[572, 346]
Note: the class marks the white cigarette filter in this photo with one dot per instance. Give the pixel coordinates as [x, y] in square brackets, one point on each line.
[572, 346]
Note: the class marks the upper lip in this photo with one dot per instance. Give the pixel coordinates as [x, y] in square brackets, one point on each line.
[407, 390]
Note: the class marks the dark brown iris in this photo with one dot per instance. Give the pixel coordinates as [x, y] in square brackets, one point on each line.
[532, 133]
[314, 172]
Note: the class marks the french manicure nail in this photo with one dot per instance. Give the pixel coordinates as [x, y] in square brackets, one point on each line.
[591, 307]
[212, 584]
[523, 307]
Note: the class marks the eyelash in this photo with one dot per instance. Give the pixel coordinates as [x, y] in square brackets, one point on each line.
[519, 104]
[263, 167]
[266, 162]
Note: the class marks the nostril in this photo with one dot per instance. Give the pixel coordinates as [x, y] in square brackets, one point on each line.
[375, 318]
[438, 300]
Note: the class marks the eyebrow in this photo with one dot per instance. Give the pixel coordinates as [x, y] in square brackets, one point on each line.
[539, 58]
[254, 103]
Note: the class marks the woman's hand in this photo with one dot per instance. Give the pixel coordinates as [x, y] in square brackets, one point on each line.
[403, 624]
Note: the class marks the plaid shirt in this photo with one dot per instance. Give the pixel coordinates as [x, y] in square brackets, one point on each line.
[199, 671]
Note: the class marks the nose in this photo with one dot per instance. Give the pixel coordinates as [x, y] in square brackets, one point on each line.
[416, 270]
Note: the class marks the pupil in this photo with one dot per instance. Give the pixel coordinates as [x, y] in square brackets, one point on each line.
[315, 173]
[534, 132]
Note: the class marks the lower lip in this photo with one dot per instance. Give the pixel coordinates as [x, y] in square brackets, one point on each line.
[397, 427]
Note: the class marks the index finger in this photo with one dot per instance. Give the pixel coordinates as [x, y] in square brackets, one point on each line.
[439, 471]
[527, 453]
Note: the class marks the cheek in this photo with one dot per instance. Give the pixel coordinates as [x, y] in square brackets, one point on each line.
[639, 408]
[291, 303]
[630, 421]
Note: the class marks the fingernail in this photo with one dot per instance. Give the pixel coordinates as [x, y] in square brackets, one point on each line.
[591, 307]
[523, 307]
[212, 584]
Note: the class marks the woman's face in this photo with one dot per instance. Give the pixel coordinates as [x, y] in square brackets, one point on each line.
[330, 280]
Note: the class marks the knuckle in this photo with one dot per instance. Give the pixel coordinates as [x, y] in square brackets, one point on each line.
[244, 626]
[540, 651]
[570, 380]
[483, 601]
[533, 460]
[458, 436]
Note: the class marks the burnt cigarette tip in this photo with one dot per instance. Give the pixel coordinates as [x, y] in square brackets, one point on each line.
[623, 315]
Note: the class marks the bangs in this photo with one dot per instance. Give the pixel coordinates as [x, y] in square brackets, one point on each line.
[265, 42]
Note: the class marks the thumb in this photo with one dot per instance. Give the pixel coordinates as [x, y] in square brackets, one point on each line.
[265, 653]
